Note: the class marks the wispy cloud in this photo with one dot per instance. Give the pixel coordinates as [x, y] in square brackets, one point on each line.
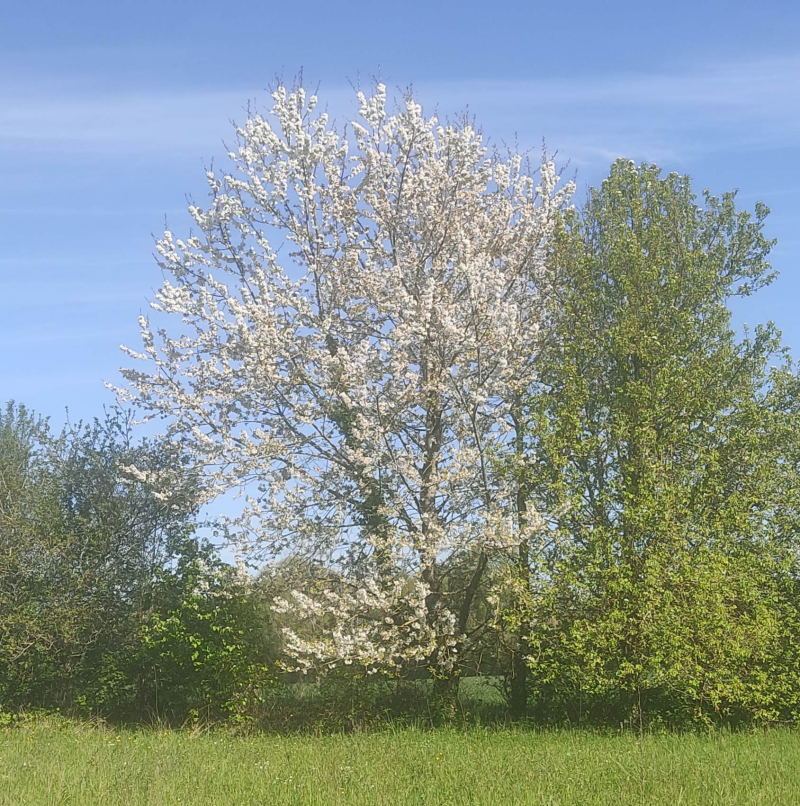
[57, 336]
[143, 121]
[702, 110]
[759, 84]
[731, 106]
[101, 212]
[55, 261]
[23, 386]
[75, 299]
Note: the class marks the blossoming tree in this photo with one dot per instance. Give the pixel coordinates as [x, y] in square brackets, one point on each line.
[353, 323]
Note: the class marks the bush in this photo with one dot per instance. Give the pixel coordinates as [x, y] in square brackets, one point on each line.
[108, 605]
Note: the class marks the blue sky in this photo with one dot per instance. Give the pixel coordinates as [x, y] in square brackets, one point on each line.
[110, 111]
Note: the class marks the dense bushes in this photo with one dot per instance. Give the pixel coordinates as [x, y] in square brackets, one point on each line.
[203, 647]
[109, 604]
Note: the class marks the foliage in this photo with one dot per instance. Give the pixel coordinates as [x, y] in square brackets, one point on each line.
[666, 460]
[203, 650]
[344, 701]
[478, 433]
[102, 585]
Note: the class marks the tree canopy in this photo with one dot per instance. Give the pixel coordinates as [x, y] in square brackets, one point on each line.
[359, 388]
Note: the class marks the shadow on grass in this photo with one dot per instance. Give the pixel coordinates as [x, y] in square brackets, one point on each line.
[343, 705]
[350, 705]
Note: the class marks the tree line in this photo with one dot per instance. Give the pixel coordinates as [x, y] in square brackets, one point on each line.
[476, 430]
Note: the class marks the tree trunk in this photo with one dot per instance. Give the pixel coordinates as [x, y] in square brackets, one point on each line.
[518, 699]
[444, 704]
[518, 702]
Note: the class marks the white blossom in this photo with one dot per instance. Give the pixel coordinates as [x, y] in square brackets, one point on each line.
[350, 329]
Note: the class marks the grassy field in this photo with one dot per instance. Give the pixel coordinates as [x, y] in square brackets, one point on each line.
[74, 765]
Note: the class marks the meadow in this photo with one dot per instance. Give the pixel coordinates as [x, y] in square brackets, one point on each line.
[44, 763]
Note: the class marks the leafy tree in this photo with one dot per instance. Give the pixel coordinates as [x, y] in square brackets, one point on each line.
[667, 575]
[95, 559]
[27, 497]
[358, 396]
[203, 643]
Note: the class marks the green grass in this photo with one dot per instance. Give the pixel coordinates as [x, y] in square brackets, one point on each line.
[41, 764]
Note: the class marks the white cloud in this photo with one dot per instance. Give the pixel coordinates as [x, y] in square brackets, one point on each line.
[57, 335]
[658, 116]
[589, 118]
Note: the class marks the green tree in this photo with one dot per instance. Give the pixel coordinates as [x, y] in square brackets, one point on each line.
[102, 584]
[204, 648]
[28, 497]
[80, 542]
[666, 579]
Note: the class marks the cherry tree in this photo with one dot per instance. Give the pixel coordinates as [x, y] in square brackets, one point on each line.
[347, 334]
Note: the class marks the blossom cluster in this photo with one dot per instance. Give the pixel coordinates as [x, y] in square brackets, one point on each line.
[357, 315]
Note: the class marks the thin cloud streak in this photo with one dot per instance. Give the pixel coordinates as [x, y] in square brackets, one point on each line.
[76, 300]
[138, 122]
[724, 107]
[761, 84]
[56, 336]
[58, 261]
[713, 109]
[20, 386]
[84, 212]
